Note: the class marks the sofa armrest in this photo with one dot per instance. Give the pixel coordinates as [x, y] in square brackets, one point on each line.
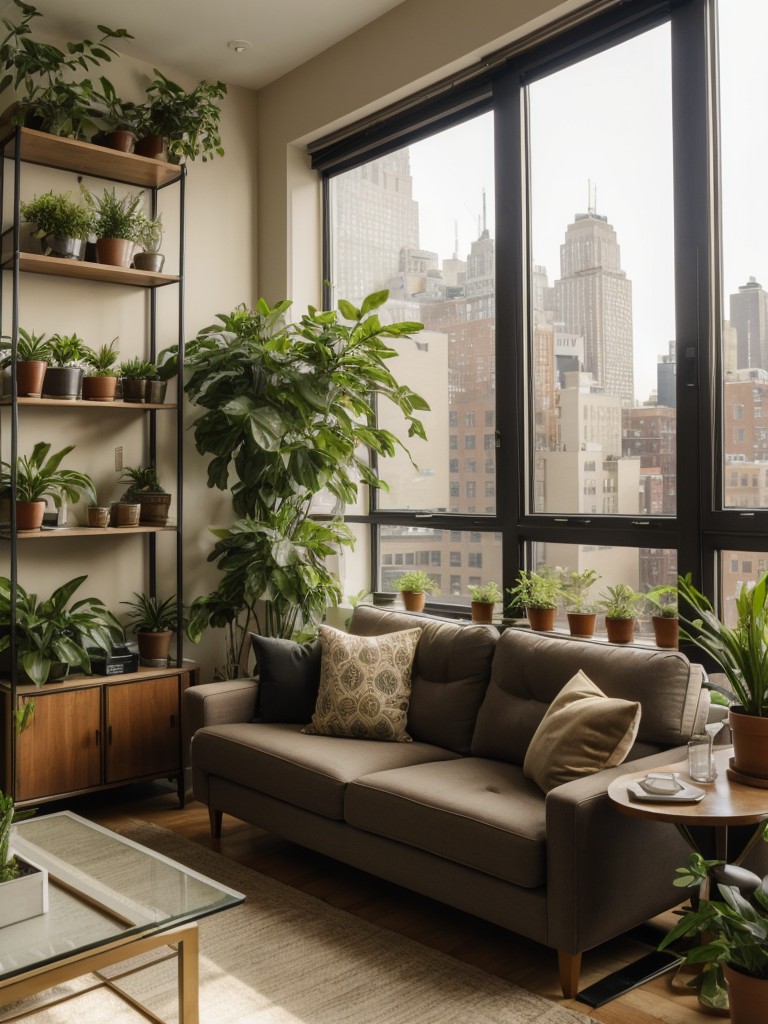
[606, 872]
[233, 700]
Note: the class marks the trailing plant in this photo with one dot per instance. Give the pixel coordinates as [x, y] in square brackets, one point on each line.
[113, 217]
[39, 477]
[416, 582]
[29, 346]
[66, 350]
[101, 362]
[189, 121]
[288, 412]
[55, 213]
[48, 632]
[534, 590]
[741, 651]
[619, 602]
[137, 369]
[486, 593]
[149, 614]
[575, 587]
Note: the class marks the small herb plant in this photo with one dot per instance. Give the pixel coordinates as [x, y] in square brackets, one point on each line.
[619, 602]
[66, 350]
[57, 214]
[149, 233]
[101, 362]
[143, 480]
[416, 582]
[663, 601]
[575, 587]
[534, 590]
[113, 217]
[138, 369]
[38, 477]
[150, 615]
[29, 346]
[486, 593]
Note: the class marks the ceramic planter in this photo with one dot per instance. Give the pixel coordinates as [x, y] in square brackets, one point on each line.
[542, 620]
[134, 390]
[155, 390]
[99, 389]
[582, 623]
[120, 139]
[63, 382]
[414, 601]
[30, 374]
[666, 630]
[620, 631]
[482, 611]
[115, 252]
[64, 248]
[25, 896]
[29, 515]
[154, 647]
[750, 747]
[153, 261]
[153, 146]
[747, 996]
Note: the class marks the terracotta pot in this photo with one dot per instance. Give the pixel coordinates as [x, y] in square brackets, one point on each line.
[153, 146]
[120, 139]
[582, 623]
[154, 647]
[114, 252]
[63, 382]
[30, 374]
[620, 631]
[482, 611]
[541, 619]
[747, 996]
[750, 745]
[134, 390]
[666, 629]
[29, 515]
[99, 389]
[414, 602]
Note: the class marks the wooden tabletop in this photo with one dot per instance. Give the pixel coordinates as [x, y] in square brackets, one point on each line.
[726, 802]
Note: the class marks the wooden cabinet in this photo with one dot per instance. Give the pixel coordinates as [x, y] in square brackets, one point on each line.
[98, 732]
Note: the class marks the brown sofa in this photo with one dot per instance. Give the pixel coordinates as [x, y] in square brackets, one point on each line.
[452, 815]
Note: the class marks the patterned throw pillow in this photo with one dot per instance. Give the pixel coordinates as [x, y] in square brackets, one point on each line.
[365, 685]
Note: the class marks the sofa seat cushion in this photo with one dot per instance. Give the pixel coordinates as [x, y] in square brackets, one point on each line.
[482, 814]
[311, 772]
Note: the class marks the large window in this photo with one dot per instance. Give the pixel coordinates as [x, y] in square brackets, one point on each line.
[596, 343]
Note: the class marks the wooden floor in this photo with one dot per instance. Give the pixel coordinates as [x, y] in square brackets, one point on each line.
[486, 946]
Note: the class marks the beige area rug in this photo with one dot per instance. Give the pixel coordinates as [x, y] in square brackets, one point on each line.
[284, 957]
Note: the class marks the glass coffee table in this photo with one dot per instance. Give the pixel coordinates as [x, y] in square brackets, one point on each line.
[110, 900]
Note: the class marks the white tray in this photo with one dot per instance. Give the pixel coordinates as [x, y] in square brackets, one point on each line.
[687, 795]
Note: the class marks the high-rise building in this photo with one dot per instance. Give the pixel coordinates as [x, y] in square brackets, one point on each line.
[593, 298]
[749, 318]
[666, 379]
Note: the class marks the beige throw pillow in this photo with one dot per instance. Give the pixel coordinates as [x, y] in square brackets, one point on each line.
[582, 732]
[365, 685]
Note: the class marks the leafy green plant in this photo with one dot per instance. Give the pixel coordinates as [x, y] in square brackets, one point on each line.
[151, 615]
[741, 651]
[188, 120]
[534, 590]
[55, 213]
[287, 412]
[486, 593]
[29, 346]
[619, 602]
[9, 867]
[101, 362]
[137, 369]
[575, 587]
[149, 233]
[39, 476]
[167, 362]
[142, 479]
[663, 601]
[416, 582]
[50, 633]
[66, 350]
[115, 114]
[114, 217]
[51, 98]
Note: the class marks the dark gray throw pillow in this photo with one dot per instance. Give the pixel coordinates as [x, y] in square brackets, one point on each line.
[289, 676]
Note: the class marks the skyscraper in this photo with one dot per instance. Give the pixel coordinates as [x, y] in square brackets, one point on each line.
[593, 298]
[749, 318]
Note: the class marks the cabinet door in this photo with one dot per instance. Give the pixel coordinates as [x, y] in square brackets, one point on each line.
[143, 728]
[60, 749]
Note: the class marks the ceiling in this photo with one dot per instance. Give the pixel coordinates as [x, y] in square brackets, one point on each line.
[191, 36]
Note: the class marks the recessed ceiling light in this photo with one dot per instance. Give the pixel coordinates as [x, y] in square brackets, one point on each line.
[239, 45]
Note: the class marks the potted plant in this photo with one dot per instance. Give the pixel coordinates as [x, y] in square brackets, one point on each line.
[100, 381]
[146, 489]
[666, 626]
[483, 598]
[134, 374]
[308, 388]
[538, 593]
[31, 361]
[154, 622]
[580, 611]
[64, 374]
[620, 604]
[52, 638]
[414, 586]
[180, 124]
[727, 937]
[741, 653]
[115, 223]
[39, 477]
[62, 224]
[120, 119]
[49, 99]
[149, 236]
[23, 885]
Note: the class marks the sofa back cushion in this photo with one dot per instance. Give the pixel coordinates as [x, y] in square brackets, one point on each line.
[530, 669]
[451, 671]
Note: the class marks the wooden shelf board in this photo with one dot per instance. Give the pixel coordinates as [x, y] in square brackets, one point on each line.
[64, 403]
[78, 681]
[87, 158]
[54, 266]
[87, 531]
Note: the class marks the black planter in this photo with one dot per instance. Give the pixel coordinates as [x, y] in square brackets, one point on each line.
[63, 382]
[134, 390]
[155, 391]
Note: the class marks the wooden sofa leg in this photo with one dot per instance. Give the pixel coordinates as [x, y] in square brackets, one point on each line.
[569, 965]
[215, 818]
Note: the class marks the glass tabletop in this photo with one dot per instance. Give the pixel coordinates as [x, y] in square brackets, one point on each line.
[102, 887]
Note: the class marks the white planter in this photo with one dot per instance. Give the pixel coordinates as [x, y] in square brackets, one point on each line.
[25, 896]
